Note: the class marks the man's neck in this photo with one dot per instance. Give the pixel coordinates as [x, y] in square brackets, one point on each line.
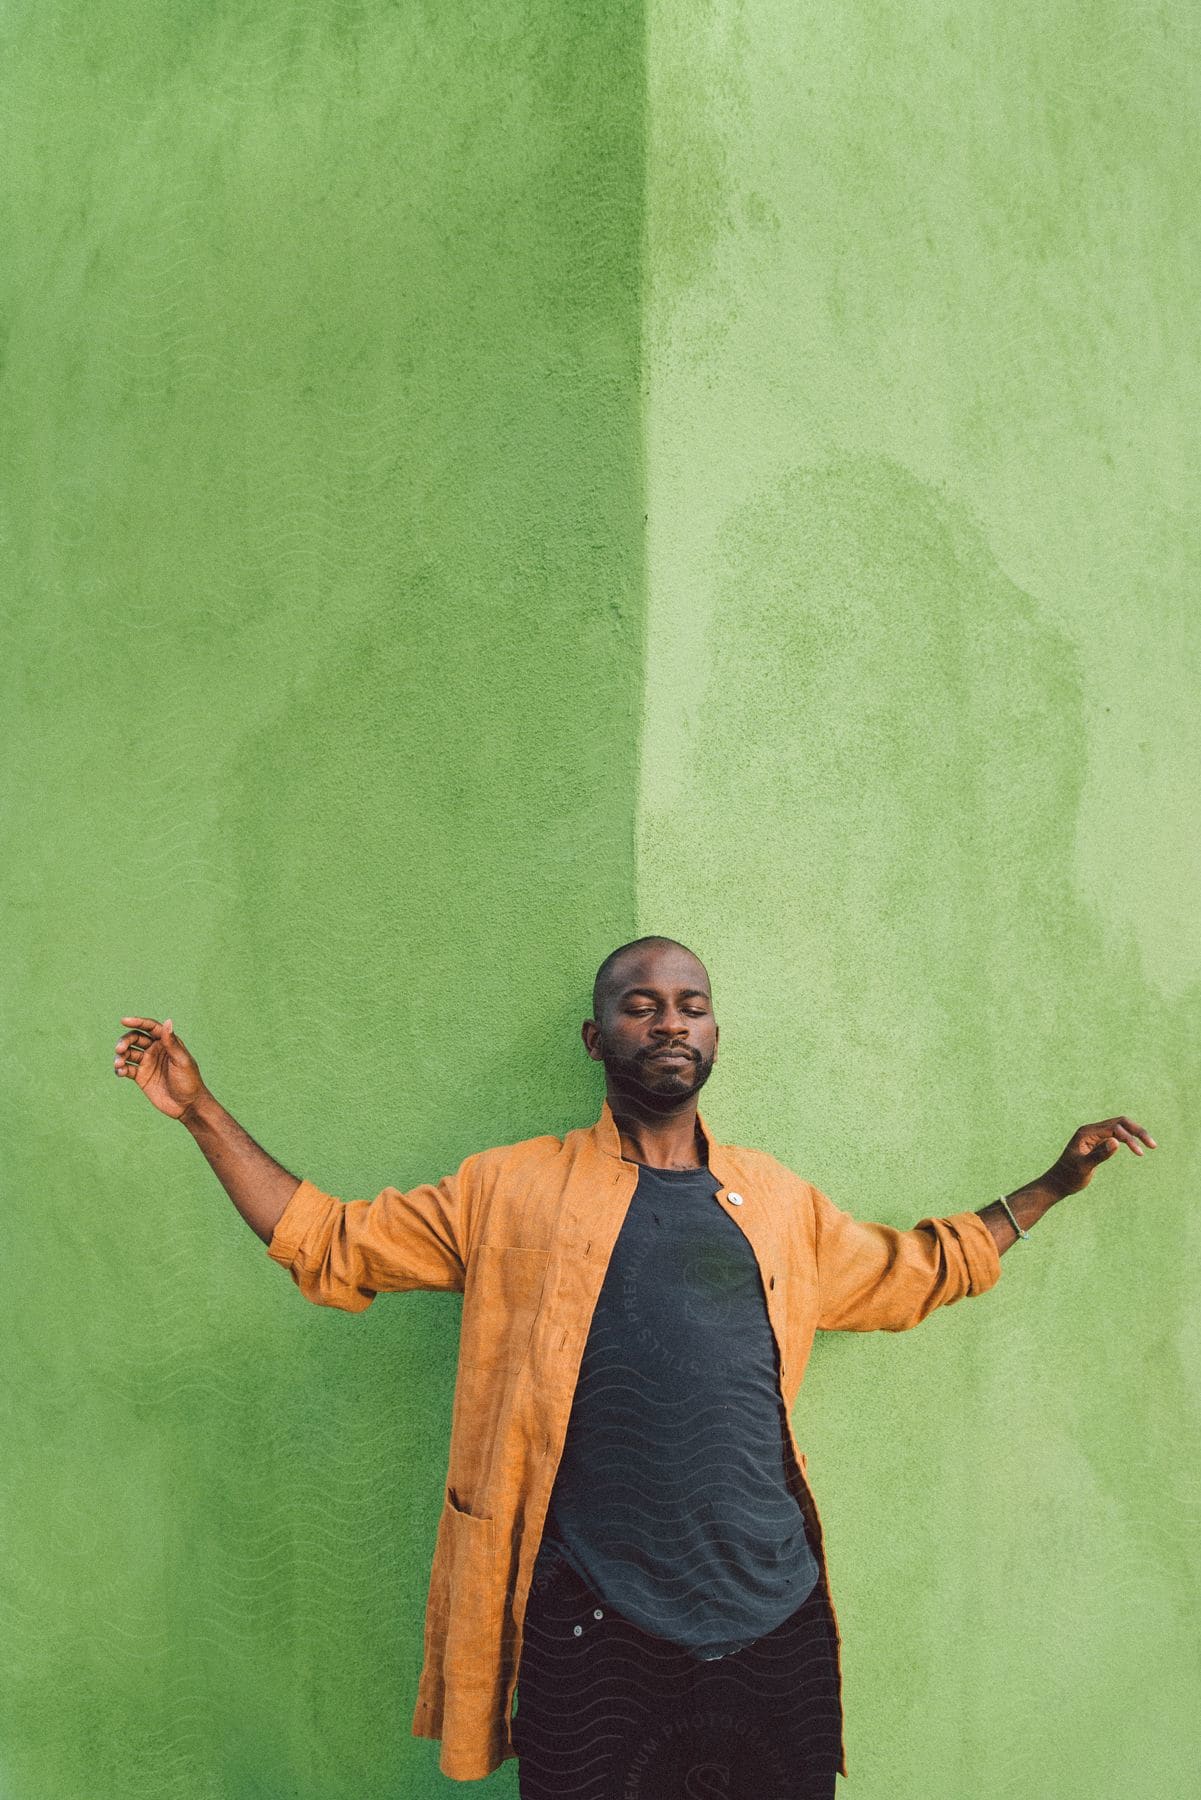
[661, 1140]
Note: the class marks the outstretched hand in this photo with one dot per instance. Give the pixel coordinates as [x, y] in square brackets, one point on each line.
[1092, 1145]
[161, 1064]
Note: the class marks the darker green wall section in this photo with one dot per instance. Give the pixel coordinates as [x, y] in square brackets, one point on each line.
[324, 504]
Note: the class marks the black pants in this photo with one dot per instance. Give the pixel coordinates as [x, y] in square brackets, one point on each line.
[607, 1712]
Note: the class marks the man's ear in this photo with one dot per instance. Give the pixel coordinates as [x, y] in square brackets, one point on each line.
[589, 1032]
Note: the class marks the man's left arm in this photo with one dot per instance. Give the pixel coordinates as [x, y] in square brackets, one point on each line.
[1088, 1149]
[874, 1277]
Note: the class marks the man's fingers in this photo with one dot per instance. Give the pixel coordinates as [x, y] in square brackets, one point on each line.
[1129, 1132]
[1111, 1134]
[148, 1029]
[1139, 1130]
[131, 1047]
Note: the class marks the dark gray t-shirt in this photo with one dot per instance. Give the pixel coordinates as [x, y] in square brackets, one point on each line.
[671, 1500]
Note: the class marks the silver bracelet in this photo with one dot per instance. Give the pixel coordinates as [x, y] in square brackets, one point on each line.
[1012, 1220]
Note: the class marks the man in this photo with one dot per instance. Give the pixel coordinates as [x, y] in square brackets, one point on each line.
[627, 1545]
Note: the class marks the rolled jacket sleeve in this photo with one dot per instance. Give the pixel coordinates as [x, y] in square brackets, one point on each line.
[342, 1253]
[878, 1278]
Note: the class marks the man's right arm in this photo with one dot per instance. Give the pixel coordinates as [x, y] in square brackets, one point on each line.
[259, 1187]
[152, 1054]
[338, 1253]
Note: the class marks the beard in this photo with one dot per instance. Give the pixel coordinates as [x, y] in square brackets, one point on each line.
[655, 1087]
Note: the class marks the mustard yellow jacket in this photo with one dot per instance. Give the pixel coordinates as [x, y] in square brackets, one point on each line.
[525, 1232]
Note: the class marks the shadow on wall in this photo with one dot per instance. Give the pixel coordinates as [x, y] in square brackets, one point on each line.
[408, 899]
[897, 730]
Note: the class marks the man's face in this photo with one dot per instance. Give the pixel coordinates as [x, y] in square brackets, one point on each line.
[657, 1036]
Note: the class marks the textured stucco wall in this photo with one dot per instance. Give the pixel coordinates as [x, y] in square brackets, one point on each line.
[919, 781]
[323, 566]
[478, 487]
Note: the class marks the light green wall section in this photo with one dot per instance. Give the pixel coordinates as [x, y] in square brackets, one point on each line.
[919, 783]
[322, 544]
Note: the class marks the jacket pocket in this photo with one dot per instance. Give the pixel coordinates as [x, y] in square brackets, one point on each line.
[501, 1298]
[468, 1548]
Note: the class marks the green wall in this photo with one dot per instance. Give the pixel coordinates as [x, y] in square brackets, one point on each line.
[475, 488]
[921, 723]
[323, 492]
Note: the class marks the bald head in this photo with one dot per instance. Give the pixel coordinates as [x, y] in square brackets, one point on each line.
[625, 965]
